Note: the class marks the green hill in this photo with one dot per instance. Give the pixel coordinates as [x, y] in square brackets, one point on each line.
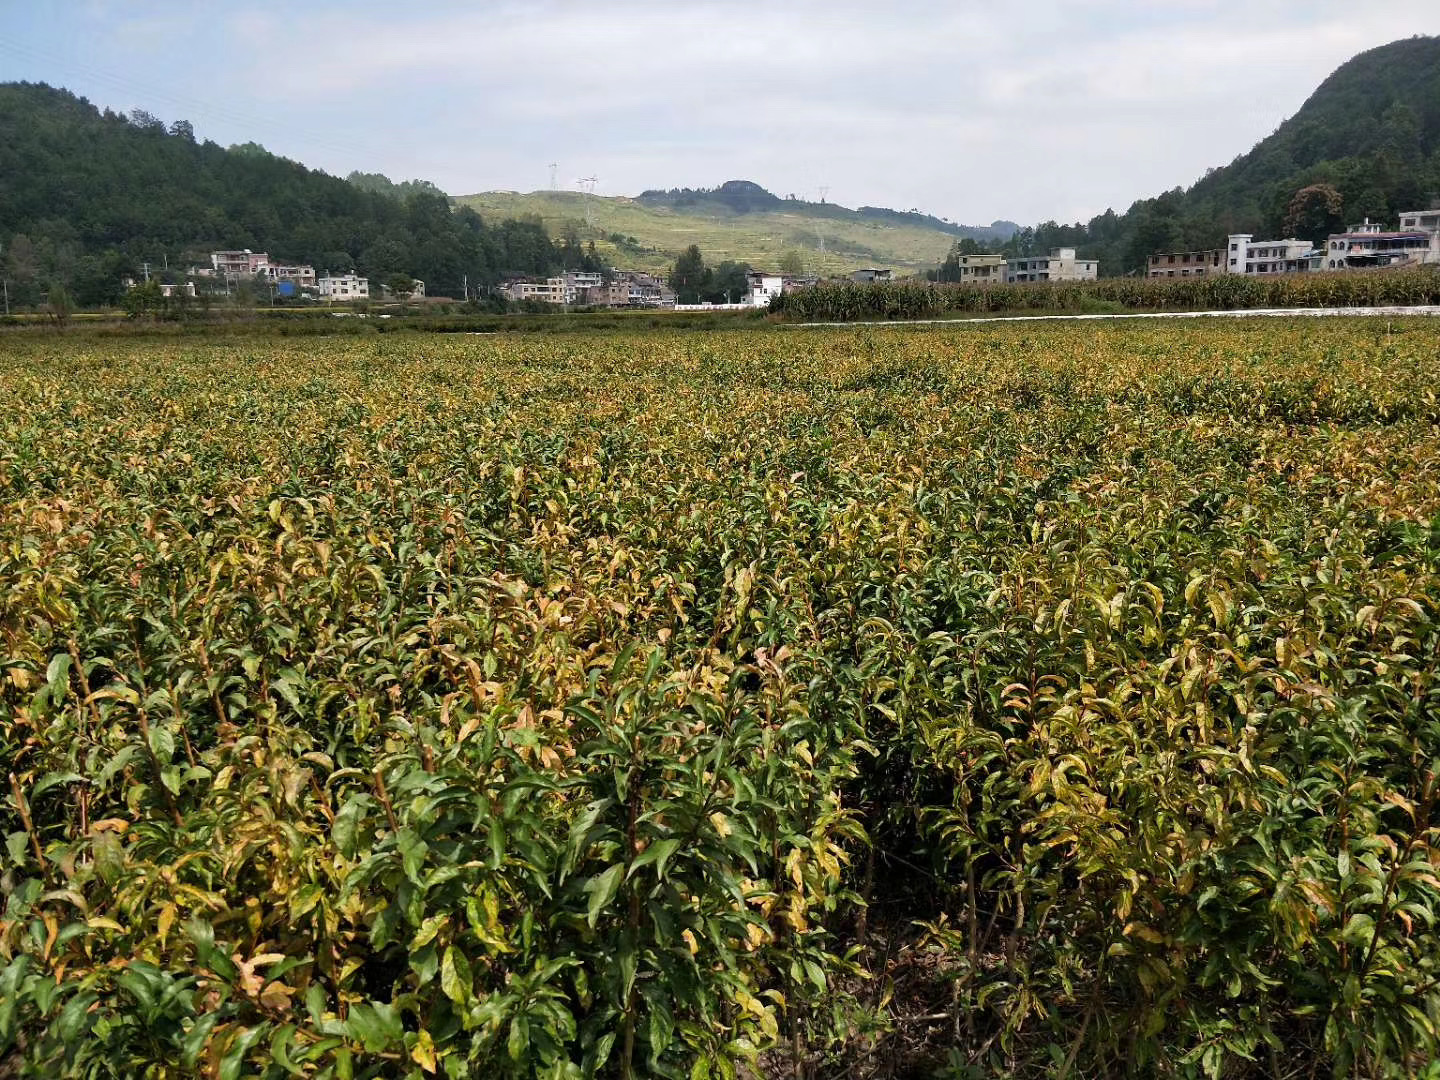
[739, 221]
[1370, 132]
[88, 197]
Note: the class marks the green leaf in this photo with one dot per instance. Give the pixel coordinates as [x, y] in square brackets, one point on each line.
[519, 1041]
[162, 743]
[602, 888]
[659, 853]
[193, 1044]
[346, 830]
[49, 780]
[455, 978]
[57, 677]
[280, 1050]
[234, 1059]
[1358, 930]
[412, 853]
[374, 1025]
[74, 1017]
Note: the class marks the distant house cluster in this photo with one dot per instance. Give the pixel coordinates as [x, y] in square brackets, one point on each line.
[1366, 246]
[625, 288]
[229, 269]
[1061, 264]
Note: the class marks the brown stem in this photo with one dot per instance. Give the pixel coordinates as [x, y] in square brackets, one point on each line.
[1427, 806]
[156, 766]
[384, 797]
[180, 724]
[214, 690]
[867, 887]
[85, 688]
[24, 808]
[627, 1057]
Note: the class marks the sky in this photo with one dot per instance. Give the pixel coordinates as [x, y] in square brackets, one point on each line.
[969, 109]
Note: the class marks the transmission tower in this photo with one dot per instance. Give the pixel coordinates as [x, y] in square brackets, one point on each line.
[820, 236]
[554, 176]
[587, 189]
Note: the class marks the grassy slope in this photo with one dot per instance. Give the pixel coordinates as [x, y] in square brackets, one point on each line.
[759, 239]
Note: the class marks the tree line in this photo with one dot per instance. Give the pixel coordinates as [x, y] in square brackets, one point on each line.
[695, 283]
[1365, 144]
[98, 195]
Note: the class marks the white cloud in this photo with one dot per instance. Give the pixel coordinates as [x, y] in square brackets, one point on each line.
[969, 109]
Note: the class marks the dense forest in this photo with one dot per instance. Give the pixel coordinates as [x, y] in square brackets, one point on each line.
[102, 193]
[1366, 143]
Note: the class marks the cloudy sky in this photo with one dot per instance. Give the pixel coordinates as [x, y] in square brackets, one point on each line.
[970, 109]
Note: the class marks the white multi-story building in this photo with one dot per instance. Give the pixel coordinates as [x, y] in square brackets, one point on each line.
[242, 264]
[299, 273]
[765, 287]
[167, 289]
[1246, 255]
[238, 263]
[1424, 220]
[1369, 245]
[334, 287]
[1060, 265]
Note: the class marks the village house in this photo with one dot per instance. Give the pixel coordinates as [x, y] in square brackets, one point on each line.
[981, 269]
[1060, 265]
[1187, 264]
[764, 287]
[1246, 255]
[1367, 245]
[340, 287]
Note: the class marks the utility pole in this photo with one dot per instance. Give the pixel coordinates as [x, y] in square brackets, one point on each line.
[146, 267]
[465, 288]
[7, 297]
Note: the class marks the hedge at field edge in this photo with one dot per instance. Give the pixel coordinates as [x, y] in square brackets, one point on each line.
[845, 301]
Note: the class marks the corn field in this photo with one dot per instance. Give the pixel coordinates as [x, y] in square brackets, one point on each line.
[887, 702]
[845, 302]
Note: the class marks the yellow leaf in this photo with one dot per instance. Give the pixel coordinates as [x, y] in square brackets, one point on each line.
[164, 921]
[277, 996]
[423, 1052]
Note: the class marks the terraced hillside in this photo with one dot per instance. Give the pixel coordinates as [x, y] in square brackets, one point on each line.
[760, 239]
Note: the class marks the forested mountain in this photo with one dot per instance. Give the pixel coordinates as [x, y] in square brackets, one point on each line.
[88, 195]
[1367, 143]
